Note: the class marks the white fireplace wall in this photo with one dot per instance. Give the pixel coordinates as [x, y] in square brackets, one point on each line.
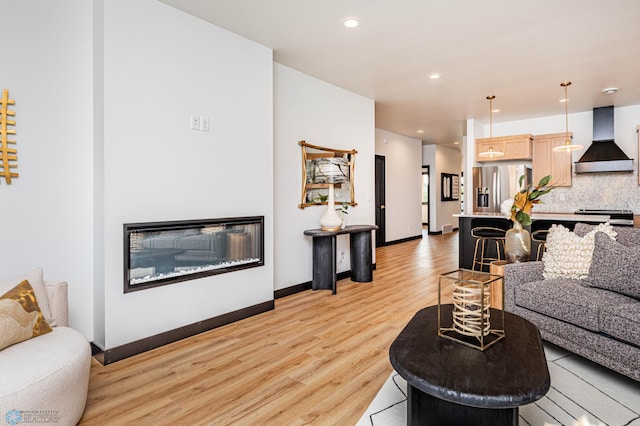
[160, 67]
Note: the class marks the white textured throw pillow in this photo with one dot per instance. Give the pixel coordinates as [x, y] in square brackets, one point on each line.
[568, 255]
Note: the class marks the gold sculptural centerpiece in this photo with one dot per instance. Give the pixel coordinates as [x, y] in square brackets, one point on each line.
[469, 322]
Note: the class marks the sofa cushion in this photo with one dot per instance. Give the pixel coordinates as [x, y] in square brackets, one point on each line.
[622, 322]
[37, 282]
[20, 316]
[615, 267]
[627, 236]
[568, 255]
[568, 300]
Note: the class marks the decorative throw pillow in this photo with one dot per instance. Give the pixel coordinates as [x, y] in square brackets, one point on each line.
[569, 256]
[20, 316]
[627, 236]
[37, 283]
[615, 267]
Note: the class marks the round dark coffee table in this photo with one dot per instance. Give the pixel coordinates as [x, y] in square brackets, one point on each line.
[452, 384]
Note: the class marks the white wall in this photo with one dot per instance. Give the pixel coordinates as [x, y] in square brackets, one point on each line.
[103, 105]
[308, 109]
[475, 129]
[160, 66]
[403, 184]
[442, 160]
[601, 190]
[47, 212]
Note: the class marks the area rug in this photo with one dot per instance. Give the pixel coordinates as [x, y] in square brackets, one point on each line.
[580, 390]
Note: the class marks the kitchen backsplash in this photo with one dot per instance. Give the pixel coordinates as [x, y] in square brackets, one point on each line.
[594, 191]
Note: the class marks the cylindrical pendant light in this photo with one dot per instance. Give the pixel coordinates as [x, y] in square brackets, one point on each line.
[568, 145]
[491, 153]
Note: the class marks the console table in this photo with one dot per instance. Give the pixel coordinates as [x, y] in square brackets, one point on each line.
[324, 255]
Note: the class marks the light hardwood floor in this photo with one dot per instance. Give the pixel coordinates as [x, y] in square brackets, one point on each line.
[316, 359]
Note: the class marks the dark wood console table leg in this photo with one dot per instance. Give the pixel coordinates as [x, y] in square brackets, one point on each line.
[324, 263]
[324, 255]
[361, 263]
[424, 409]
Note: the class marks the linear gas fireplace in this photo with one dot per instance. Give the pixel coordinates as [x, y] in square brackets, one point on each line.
[160, 253]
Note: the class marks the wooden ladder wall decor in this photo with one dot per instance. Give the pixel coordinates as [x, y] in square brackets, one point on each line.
[8, 155]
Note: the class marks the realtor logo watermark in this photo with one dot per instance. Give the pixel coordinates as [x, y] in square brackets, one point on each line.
[16, 417]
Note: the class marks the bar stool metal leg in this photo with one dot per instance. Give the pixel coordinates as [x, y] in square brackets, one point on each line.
[482, 235]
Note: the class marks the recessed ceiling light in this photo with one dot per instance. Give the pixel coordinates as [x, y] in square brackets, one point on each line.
[434, 76]
[351, 22]
[495, 110]
[456, 143]
[563, 100]
[610, 90]
[420, 131]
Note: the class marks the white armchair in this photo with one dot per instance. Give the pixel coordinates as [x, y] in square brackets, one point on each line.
[47, 377]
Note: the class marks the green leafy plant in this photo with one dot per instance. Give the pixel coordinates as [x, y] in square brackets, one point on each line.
[321, 198]
[343, 208]
[524, 200]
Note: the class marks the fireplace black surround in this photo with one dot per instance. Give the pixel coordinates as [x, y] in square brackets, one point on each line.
[160, 253]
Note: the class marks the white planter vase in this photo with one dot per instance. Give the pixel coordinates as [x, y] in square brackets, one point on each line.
[331, 220]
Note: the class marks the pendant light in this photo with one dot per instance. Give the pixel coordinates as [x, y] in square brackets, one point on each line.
[568, 146]
[491, 153]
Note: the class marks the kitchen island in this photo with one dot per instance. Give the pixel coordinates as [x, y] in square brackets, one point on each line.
[466, 222]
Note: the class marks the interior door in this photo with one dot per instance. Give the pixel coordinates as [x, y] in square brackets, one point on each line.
[380, 195]
[425, 195]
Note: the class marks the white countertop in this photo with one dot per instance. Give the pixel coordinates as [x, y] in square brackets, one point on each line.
[571, 217]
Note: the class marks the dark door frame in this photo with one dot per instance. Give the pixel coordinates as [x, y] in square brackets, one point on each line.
[428, 173]
[380, 200]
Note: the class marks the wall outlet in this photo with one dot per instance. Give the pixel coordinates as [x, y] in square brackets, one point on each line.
[195, 122]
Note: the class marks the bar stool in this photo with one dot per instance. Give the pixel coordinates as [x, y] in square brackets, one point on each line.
[539, 232]
[540, 237]
[483, 234]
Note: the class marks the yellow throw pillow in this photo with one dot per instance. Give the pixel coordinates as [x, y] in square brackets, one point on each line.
[20, 316]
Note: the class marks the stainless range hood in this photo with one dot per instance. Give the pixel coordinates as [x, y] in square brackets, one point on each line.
[603, 155]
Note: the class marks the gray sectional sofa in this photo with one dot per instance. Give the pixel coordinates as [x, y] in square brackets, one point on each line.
[597, 317]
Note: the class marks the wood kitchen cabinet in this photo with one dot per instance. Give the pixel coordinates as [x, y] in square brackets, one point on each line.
[548, 162]
[515, 147]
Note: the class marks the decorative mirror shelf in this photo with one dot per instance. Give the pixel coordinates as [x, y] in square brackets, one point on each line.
[315, 194]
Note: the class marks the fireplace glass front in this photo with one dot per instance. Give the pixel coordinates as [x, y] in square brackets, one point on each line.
[162, 253]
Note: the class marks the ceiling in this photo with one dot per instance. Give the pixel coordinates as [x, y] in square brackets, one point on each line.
[518, 50]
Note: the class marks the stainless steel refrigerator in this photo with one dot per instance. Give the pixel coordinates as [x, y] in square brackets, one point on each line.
[494, 184]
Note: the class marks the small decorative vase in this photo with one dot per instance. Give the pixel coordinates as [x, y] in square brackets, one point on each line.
[517, 244]
[331, 220]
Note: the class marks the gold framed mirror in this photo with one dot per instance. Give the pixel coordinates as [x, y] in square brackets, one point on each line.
[316, 194]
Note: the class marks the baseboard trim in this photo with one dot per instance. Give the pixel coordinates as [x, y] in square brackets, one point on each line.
[403, 240]
[139, 346]
[288, 291]
[440, 232]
